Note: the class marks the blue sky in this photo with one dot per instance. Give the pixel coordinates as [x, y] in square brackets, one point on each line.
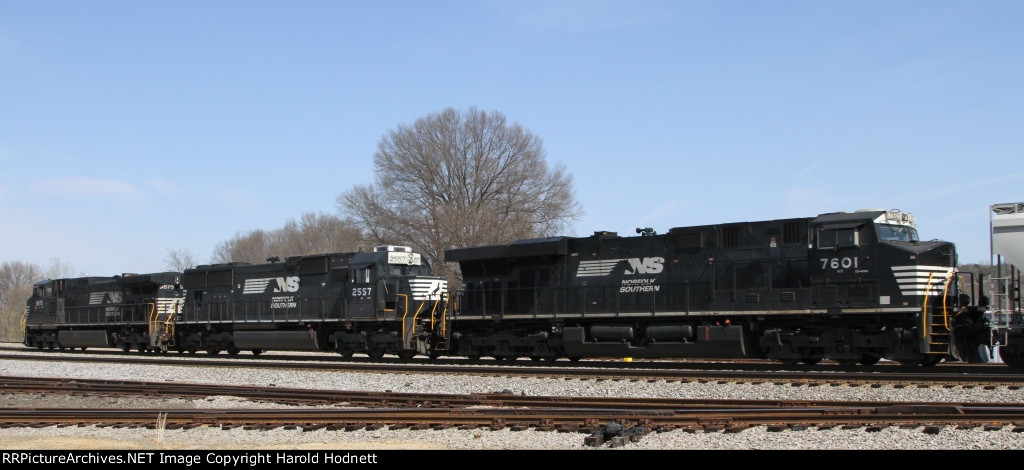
[129, 128]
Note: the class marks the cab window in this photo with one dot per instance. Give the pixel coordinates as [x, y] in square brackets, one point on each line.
[899, 233]
[838, 238]
[362, 274]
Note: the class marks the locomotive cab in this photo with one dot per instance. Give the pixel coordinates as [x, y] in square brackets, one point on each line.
[895, 294]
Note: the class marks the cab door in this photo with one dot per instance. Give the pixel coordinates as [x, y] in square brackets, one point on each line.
[837, 262]
[362, 292]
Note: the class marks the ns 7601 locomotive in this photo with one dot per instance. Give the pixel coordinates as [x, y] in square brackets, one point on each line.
[852, 287]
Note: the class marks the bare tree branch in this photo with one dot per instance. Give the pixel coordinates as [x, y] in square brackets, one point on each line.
[455, 179]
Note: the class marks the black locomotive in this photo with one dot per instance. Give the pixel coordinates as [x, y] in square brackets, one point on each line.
[373, 302]
[129, 311]
[852, 287]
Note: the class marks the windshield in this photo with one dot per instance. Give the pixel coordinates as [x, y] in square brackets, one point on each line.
[391, 270]
[899, 233]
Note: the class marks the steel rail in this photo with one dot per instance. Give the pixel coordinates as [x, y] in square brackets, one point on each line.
[954, 377]
[302, 396]
[567, 419]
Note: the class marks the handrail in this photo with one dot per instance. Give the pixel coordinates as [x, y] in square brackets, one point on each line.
[945, 298]
[924, 307]
[433, 312]
[405, 314]
[151, 323]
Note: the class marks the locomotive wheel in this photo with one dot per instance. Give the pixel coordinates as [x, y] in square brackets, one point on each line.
[375, 353]
[126, 348]
[1011, 358]
[346, 352]
[212, 350]
[232, 350]
[406, 353]
[847, 362]
[810, 360]
[931, 360]
[869, 359]
[257, 352]
[473, 357]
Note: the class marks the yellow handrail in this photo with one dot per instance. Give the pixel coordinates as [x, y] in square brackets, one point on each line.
[171, 321]
[945, 297]
[924, 311]
[24, 322]
[151, 324]
[433, 312]
[405, 314]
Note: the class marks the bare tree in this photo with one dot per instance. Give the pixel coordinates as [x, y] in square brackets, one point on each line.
[251, 247]
[456, 179]
[16, 279]
[58, 269]
[180, 260]
[312, 233]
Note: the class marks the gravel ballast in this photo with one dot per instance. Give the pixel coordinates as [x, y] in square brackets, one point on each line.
[215, 438]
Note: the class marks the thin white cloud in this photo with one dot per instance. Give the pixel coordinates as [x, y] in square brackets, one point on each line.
[90, 187]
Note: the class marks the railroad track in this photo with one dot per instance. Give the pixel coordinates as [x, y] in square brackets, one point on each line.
[989, 377]
[616, 426]
[308, 397]
[615, 421]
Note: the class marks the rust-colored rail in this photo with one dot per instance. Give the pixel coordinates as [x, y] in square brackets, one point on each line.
[302, 396]
[550, 419]
[896, 376]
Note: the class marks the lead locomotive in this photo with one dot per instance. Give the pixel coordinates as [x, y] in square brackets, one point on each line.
[853, 287]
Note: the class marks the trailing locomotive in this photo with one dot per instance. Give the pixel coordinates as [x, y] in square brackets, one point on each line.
[129, 311]
[853, 287]
[378, 302]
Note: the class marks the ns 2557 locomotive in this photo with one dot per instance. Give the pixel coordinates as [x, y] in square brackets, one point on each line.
[853, 287]
[376, 302]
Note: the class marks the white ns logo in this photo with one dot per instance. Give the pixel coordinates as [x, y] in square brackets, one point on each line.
[645, 265]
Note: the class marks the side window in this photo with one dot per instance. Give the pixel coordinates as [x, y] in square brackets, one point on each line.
[848, 237]
[842, 238]
[362, 274]
[826, 238]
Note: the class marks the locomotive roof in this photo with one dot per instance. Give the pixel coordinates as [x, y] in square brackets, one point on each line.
[849, 217]
[518, 249]
[124, 279]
